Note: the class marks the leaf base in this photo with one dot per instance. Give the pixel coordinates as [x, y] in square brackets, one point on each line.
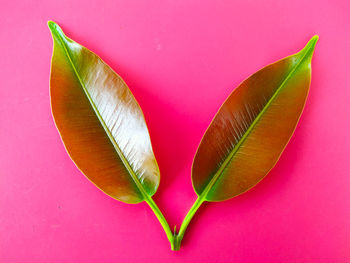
[176, 244]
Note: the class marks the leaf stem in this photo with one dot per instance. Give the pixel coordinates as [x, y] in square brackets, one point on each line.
[178, 237]
[161, 219]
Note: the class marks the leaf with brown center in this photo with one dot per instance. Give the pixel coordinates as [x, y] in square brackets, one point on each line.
[100, 122]
[252, 128]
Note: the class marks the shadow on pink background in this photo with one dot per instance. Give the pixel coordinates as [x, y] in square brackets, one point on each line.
[181, 59]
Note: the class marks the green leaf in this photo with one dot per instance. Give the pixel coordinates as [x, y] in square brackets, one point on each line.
[100, 122]
[251, 129]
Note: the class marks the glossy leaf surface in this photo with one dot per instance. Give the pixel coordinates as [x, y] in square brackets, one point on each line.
[252, 127]
[100, 122]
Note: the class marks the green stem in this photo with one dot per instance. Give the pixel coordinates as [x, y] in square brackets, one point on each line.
[178, 237]
[161, 219]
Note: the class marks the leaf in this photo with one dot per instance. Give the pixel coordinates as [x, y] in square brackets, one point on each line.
[100, 122]
[251, 129]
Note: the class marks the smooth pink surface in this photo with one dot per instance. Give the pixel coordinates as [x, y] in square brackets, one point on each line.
[181, 59]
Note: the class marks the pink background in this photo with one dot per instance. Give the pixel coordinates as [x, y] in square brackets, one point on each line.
[181, 59]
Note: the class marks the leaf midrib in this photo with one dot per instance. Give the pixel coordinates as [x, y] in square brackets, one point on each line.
[105, 127]
[229, 158]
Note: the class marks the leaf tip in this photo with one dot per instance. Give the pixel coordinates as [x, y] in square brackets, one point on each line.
[54, 28]
[310, 46]
[312, 42]
[315, 37]
[51, 25]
